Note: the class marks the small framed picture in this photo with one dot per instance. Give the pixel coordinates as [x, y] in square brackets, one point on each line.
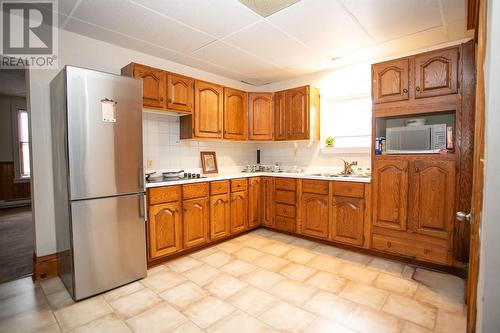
[209, 162]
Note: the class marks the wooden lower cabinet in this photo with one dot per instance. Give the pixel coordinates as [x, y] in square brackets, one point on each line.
[239, 217]
[267, 211]
[220, 216]
[254, 202]
[347, 220]
[195, 216]
[315, 215]
[164, 229]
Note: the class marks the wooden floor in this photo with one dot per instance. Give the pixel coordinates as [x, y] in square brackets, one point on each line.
[16, 243]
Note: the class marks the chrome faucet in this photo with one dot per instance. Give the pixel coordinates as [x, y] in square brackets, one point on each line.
[348, 168]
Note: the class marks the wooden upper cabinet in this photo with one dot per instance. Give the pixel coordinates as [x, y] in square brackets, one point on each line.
[297, 113]
[180, 93]
[260, 116]
[347, 220]
[390, 193]
[164, 229]
[314, 215]
[390, 81]
[208, 110]
[432, 196]
[195, 222]
[267, 210]
[220, 216]
[154, 83]
[436, 73]
[254, 202]
[239, 217]
[279, 116]
[235, 114]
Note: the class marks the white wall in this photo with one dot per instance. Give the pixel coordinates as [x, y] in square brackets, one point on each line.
[489, 273]
[84, 52]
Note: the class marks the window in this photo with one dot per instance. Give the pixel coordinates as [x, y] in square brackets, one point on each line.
[23, 153]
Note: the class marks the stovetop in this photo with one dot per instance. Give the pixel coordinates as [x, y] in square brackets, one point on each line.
[171, 179]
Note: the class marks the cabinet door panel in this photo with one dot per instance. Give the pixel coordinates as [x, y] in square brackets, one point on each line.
[235, 114]
[154, 86]
[436, 73]
[314, 215]
[390, 81]
[195, 222]
[180, 91]
[260, 116]
[279, 116]
[220, 216]
[390, 191]
[254, 202]
[267, 201]
[239, 217]
[432, 188]
[347, 220]
[164, 228]
[297, 113]
[208, 111]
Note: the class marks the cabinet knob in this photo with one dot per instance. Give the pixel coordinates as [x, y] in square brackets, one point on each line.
[389, 244]
[405, 91]
[417, 169]
[417, 88]
[334, 204]
[170, 100]
[161, 99]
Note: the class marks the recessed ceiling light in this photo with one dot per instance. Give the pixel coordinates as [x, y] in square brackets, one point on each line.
[267, 7]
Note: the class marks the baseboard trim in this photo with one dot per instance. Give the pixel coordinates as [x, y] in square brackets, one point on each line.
[45, 267]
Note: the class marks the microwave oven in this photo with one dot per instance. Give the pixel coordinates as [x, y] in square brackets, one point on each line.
[424, 139]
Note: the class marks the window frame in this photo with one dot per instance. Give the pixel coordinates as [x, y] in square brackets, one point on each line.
[17, 143]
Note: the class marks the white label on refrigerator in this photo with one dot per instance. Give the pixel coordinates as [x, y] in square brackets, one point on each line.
[108, 109]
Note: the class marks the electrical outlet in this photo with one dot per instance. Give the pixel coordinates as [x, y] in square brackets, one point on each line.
[149, 164]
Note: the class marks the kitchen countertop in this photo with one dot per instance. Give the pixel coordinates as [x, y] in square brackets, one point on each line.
[256, 174]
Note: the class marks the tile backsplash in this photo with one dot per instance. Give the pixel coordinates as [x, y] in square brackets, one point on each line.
[165, 151]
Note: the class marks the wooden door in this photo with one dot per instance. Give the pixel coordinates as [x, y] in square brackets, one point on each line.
[297, 113]
[390, 81]
[195, 222]
[180, 93]
[279, 116]
[390, 193]
[314, 215]
[208, 110]
[347, 220]
[164, 228]
[254, 202]
[239, 217]
[260, 116]
[432, 197]
[436, 73]
[220, 216]
[154, 86]
[267, 201]
[235, 114]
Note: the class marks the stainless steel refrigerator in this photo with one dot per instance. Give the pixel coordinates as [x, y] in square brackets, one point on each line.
[98, 180]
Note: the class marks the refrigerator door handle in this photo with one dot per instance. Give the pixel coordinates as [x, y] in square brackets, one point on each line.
[141, 178]
[142, 206]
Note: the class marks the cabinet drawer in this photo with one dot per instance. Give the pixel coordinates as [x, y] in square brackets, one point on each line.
[346, 189]
[285, 197]
[427, 252]
[285, 184]
[219, 187]
[284, 223]
[191, 191]
[315, 186]
[159, 195]
[285, 210]
[238, 184]
[393, 245]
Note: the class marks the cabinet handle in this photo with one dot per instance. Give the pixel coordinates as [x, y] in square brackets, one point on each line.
[161, 99]
[170, 100]
[426, 251]
[417, 169]
[334, 204]
[176, 210]
[405, 91]
[389, 244]
[417, 88]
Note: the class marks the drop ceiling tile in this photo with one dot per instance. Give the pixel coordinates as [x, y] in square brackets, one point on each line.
[92, 31]
[222, 54]
[212, 68]
[215, 17]
[268, 42]
[390, 19]
[323, 26]
[136, 21]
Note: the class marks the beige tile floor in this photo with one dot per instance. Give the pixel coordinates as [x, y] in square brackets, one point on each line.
[259, 282]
